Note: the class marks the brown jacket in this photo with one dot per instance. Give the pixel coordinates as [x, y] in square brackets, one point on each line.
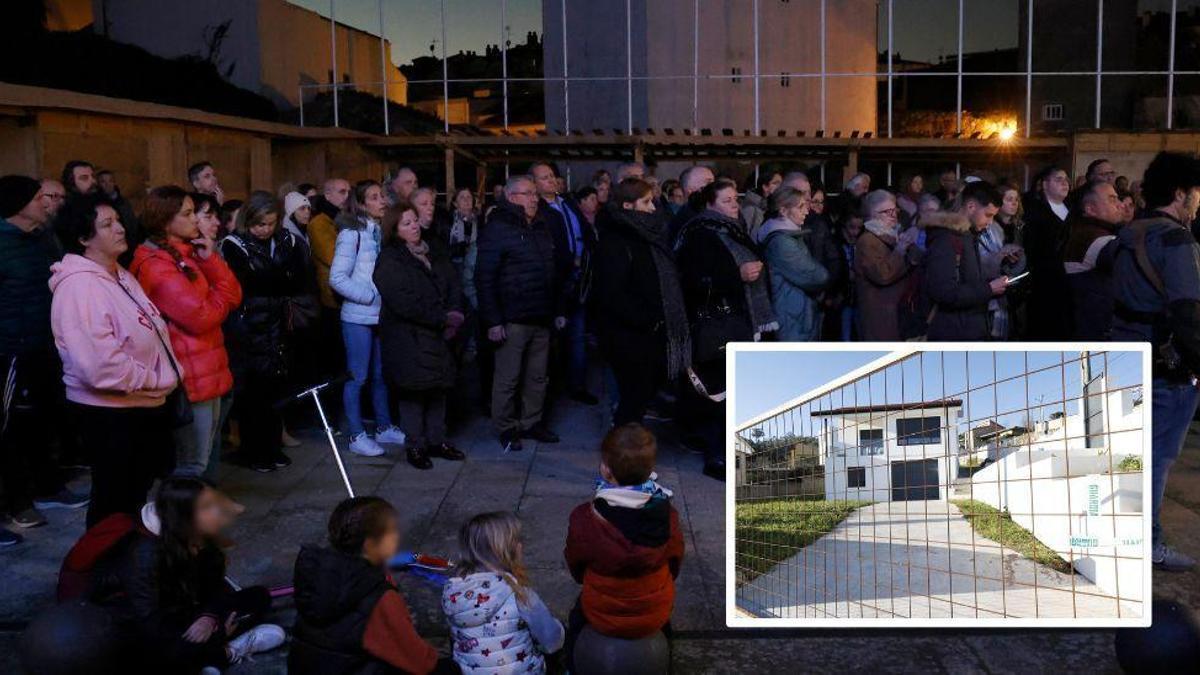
[322, 238]
[881, 276]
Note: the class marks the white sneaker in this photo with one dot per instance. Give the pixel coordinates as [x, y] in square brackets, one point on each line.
[262, 638]
[391, 435]
[364, 445]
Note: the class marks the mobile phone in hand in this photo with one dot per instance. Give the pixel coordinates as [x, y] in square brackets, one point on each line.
[1013, 280]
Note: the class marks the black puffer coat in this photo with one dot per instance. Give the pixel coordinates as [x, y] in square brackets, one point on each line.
[416, 300]
[954, 279]
[517, 276]
[271, 273]
[335, 596]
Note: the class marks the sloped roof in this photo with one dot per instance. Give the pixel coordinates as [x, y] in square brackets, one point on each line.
[888, 407]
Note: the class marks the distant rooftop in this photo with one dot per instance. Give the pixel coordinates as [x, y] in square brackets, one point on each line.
[887, 407]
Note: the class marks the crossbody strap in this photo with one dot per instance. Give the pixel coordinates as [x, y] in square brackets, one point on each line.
[161, 341]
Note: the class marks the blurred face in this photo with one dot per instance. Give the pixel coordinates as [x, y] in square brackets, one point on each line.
[772, 185]
[52, 195]
[589, 204]
[185, 226]
[231, 224]
[980, 215]
[1191, 203]
[1057, 186]
[85, 179]
[464, 202]
[726, 203]
[109, 240]
[373, 202]
[37, 211]
[929, 206]
[1104, 204]
[423, 203]
[677, 197]
[1011, 203]
[379, 550]
[524, 195]
[885, 212]
[208, 221]
[206, 181]
[947, 180]
[797, 212]
[1104, 171]
[107, 183]
[337, 192]
[853, 229]
[655, 188]
[861, 187]
[408, 228]
[602, 192]
[209, 517]
[303, 214]
[917, 184]
[697, 179]
[404, 183]
[546, 181]
[1127, 210]
[265, 228]
[817, 203]
[800, 184]
[644, 205]
[633, 171]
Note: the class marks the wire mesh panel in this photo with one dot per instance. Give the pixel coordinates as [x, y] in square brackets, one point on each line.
[945, 485]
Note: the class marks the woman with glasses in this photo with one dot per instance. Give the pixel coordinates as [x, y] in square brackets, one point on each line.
[884, 259]
[796, 276]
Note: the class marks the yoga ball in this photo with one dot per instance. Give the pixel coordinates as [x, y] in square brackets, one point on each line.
[597, 654]
[73, 637]
[1170, 645]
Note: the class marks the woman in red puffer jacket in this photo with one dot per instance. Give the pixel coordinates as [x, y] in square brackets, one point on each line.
[186, 278]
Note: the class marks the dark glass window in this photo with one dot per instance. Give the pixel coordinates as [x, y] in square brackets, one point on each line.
[856, 477]
[918, 431]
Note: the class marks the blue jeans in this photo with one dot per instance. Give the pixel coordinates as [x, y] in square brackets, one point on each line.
[365, 363]
[576, 339]
[1174, 405]
[198, 445]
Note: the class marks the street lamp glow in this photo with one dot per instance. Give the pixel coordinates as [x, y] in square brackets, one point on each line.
[1007, 133]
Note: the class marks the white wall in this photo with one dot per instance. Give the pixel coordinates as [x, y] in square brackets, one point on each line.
[842, 437]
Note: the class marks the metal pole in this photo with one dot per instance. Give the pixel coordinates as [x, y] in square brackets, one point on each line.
[757, 110]
[387, 131]
[1099, 54]
[333, 74]
[629, 65]
[1171, 71]
[301, 99]
[695, 66]
[566, 84]
[445, 75]
[315, 392]
[504, 60]
[958, 99]
[891, 48]
[1028, 71]
[822, 65]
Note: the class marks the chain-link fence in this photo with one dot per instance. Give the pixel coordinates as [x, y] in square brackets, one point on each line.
[948, 485]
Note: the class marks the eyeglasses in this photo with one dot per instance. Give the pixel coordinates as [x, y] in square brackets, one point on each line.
[887, 212]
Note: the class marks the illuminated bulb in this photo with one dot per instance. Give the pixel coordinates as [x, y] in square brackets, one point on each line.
[1007, 133]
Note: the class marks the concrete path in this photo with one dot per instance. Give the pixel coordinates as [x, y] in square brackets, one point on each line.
[290, 507]
[920, 560]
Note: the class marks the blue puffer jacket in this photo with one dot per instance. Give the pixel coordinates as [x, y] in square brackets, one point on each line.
[353, 266]
[794, 274]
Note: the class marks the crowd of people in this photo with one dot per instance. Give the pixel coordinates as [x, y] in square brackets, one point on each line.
[139, 343]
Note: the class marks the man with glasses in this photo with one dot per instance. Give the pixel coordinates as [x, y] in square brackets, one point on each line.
[519, 285]
[53, 194]
[1101, 170]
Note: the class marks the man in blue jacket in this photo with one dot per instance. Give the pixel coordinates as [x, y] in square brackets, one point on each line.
[519, 285]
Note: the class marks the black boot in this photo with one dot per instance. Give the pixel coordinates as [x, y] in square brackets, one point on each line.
[417, 457]
[445, 451]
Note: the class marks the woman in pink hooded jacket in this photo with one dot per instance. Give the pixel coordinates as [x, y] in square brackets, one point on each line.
[117, 362]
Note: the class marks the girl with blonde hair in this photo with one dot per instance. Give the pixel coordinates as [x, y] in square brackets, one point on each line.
[498, 624]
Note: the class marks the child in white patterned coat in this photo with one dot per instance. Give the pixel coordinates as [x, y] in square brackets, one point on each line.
[498, 624]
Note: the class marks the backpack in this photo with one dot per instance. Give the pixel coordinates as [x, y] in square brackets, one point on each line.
[75, 576]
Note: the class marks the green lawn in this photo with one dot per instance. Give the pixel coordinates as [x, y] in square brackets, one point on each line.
[773, 530]
[999, 527]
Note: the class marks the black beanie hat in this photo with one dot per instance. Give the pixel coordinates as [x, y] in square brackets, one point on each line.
[15, 194]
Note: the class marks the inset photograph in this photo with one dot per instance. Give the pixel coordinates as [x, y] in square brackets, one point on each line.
[947, 485]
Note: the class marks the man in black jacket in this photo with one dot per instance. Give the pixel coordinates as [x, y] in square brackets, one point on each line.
[519, 284]
[1088, 257]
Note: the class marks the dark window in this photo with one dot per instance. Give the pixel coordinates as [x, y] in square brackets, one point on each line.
[918, 431]
[870, 442]
[736, 71]
[856, 477]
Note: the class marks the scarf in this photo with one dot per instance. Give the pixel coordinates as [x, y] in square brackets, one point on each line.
[887, 233]
[679, 338]
[420, 251]
[758, 298]
[631, 496]
[463, 231]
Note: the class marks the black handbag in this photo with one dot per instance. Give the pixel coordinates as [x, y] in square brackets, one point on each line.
[177, 406]
[715, 325]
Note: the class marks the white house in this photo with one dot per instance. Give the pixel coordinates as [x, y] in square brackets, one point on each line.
[889, 452]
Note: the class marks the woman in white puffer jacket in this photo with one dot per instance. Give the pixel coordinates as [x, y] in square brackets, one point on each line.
[498, 624]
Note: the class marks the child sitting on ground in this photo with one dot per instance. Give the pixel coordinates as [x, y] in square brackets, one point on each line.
[350, 618]
[624, 545]
[498, 624]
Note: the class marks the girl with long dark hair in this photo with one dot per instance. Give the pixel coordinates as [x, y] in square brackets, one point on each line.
[165, 586]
